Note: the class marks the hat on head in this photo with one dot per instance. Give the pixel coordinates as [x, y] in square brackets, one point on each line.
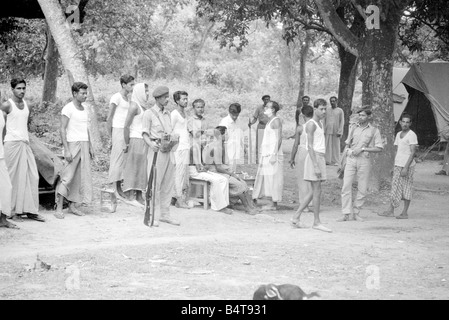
[160, 91]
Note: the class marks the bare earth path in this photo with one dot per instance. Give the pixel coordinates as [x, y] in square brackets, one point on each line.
[216, 256]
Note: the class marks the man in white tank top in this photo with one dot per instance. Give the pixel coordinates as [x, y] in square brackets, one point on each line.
[118, 109]
[19, 158]
[304, 187]
[314, 166]
[270, 175]
[5, 184]
[75, 184]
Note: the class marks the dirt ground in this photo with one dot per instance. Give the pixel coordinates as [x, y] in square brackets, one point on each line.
[217, 256]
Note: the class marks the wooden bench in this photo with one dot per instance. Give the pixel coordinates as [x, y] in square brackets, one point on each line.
[206, 187]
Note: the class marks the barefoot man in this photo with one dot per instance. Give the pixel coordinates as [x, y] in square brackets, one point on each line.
[118, 110]
[404, 169]
[199, 129]
[300, 144]
[269, 179]
[19, 158]
[5, 184]
[333, 130]
[182, 152]
[135, 167]
[76, 178]
[314, 166]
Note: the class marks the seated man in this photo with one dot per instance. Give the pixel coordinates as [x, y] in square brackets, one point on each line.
[215, 159]
[197, 127]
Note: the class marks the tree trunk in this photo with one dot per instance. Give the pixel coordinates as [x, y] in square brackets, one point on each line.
[198, 51]
[71, 57]
[375, 50]
[302, 67]
[51, 70]
[377, 74]
[348, 78]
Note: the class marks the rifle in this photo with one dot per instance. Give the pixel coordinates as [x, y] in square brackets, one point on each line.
[149, 198]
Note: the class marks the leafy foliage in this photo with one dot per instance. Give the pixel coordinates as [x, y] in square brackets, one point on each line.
[424, 30]
[22, 44]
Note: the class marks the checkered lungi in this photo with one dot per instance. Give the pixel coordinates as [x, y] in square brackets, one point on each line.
[401, 187]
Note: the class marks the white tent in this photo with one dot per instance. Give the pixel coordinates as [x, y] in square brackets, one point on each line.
[400, 94]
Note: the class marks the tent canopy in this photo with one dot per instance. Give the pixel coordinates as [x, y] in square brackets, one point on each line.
[400, 94]
[428, 88]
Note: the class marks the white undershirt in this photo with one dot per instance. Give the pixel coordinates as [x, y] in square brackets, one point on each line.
[77, 128]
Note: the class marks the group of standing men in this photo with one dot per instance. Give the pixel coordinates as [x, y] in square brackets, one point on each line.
[318, 142]
[183, 148]
[191, 148]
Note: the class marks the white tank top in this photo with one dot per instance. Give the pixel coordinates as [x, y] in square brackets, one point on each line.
[17, 123]
[270, 141]
[136, 127]
[319, 142]
[2, 125]
[303, 138]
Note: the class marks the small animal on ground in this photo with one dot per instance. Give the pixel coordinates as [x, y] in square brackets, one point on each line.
[282, 292]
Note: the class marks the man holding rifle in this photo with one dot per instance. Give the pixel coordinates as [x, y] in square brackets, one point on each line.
[157, 133]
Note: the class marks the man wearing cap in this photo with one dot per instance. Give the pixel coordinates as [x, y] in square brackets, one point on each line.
[260, 116]
[363, 139]
[156, 127]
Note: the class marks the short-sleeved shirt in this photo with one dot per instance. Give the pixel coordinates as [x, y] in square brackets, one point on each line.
[155, 125]
[2, 125]
[235, 142]
[404, 150]
[196, 125]
[120, 112]
[77, 128]
[261, 116]
[179, 124]
[367, 137]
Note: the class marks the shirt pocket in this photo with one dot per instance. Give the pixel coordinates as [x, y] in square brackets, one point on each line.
[367, 140]
[156, 126]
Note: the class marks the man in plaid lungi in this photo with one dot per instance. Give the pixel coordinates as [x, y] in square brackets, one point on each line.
[404, 168]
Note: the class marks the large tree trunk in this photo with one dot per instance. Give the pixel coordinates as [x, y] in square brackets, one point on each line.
[348, 78]
[51, 70]
[348, 71]
[377, 74]
[71, 57]
[375, 51]
[302, 67]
